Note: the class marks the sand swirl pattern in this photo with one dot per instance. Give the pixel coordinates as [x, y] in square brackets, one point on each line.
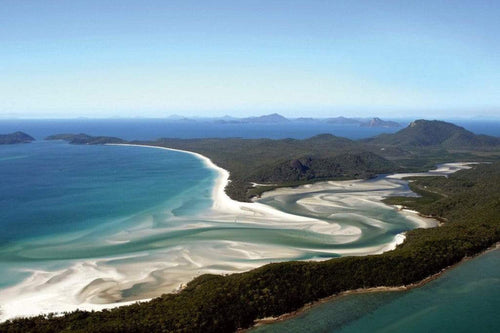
[161, 248]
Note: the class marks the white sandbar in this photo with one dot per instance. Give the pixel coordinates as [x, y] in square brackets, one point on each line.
[95, 284]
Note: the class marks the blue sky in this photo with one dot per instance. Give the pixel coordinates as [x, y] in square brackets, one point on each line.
[438, 59]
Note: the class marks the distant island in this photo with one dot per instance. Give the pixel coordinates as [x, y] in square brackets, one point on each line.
[14, 138]
[276, 118]
[377, 122]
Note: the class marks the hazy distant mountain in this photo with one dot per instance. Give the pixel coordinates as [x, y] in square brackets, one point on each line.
[374, 122]
[180, 119]
[273, 118]
[176, 117]
[423, 133]
[377, 122]
[344, 121]
[306, 119]
[276, 118]
[13, 138]
[226, 119]
[269, 118]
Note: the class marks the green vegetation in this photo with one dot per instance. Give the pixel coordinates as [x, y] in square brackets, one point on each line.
[425, 133]
[263, 160]
[468, 200]
[345, 165]
[16, 137]
[84, 139]
[419, 147]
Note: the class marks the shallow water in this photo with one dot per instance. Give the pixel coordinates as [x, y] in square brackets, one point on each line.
[464, 299]
[91, 225]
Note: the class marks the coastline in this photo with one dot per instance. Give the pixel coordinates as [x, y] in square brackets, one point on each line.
[41, 295]
[220, 198]
[312, 305]
[221, 202]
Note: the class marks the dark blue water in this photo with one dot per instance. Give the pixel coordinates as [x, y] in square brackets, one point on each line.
[150, 129]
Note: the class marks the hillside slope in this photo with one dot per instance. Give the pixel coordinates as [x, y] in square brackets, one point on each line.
[425, 133]
[16, 137]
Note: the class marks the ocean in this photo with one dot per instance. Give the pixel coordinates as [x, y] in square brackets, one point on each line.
[151, 129]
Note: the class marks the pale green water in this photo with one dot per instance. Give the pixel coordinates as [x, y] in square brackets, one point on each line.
[464, 299]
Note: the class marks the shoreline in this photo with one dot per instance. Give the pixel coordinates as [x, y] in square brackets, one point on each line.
[222, 202]
[312, 305]
[219, 196]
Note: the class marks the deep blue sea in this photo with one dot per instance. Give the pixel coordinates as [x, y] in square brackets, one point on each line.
[150, 129]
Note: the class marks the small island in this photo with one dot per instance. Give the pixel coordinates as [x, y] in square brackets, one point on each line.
[15, 138]
[84, 139]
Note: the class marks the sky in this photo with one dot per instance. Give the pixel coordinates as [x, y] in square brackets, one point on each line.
[395, 59]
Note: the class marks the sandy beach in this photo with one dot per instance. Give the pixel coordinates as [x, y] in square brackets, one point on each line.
[94, 284]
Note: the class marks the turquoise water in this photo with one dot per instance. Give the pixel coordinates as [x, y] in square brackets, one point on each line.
[87, 225]
[55, 193]
[84, 225]
[464, 299]
[54, 187]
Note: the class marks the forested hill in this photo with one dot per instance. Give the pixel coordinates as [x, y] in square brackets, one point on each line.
[284, 162]
[84, 139]
[13, 138]
[287, 162]
[425, 133]
[343, 165]
[418, 147]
